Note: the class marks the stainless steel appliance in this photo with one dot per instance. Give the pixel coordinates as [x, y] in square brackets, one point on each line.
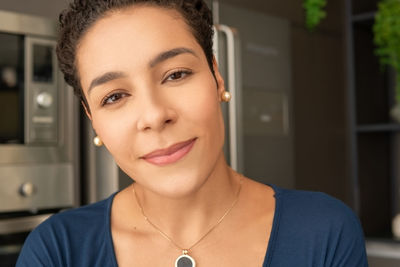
[38, 129]
[253, 51]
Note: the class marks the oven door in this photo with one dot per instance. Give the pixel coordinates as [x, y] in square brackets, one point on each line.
[12, 61]
[28, 90]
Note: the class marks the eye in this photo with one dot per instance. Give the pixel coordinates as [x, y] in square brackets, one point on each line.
[113, 98]
[177, 75]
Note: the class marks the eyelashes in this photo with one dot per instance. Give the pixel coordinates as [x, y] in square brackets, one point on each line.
[112, 98]
[174, 77]
[177, 75]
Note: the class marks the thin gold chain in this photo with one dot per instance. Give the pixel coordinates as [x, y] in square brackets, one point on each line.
[203, 236]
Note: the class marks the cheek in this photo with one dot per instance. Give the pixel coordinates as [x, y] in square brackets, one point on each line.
[205, 112]
[112, 131]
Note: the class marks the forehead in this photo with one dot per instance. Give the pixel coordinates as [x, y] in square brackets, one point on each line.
[132, 35]
[137, 24]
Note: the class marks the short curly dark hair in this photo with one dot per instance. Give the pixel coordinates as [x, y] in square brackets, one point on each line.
[82, 14]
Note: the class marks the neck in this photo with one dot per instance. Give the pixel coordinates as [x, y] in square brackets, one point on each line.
[188, 218]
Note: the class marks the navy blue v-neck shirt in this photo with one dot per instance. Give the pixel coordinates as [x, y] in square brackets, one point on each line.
[309, 229]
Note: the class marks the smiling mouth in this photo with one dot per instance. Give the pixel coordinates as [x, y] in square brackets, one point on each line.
[170, 154]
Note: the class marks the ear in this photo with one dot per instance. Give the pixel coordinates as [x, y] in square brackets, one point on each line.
[219, 79]
[86, 110]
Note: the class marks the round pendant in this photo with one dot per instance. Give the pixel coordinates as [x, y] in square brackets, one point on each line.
[185, 261]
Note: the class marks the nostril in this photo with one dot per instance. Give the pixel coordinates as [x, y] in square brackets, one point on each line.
[168, 121]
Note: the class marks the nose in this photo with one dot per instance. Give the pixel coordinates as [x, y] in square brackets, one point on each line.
[155, 113]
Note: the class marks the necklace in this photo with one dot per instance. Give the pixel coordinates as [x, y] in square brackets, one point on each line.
[185, 260]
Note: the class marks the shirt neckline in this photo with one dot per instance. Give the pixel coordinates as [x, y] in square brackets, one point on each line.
[271, 242]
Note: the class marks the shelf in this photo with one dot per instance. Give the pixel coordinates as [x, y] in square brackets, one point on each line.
[375, 139]
[383, 248]
[369, 128]
[364, 17]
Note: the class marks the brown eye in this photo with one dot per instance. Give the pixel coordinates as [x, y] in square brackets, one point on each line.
[178, 75]
[112, 98]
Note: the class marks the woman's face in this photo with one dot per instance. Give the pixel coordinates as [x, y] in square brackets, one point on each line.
[153, 99]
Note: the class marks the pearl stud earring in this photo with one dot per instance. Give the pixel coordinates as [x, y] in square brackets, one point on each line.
[226, 96]
[97, 141]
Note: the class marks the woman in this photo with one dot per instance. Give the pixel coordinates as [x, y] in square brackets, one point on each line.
[147, 78]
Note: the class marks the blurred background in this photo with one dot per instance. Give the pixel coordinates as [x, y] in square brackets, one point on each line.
[312, 109]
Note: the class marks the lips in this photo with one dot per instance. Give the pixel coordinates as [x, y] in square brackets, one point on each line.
[170, 154]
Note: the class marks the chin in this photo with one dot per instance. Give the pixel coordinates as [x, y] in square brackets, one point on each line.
[181, 179]
[181, 186]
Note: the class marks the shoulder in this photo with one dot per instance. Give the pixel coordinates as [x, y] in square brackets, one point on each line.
[315, 213]
[313, 206]
[317, 228]
[77, 219]
[71, 232]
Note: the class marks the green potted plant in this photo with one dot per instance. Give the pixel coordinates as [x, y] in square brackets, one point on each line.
[314, 11]
[387, 40]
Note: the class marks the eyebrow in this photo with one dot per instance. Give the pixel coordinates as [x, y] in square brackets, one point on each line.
[170, 54]
[104, 78]
[163, 56]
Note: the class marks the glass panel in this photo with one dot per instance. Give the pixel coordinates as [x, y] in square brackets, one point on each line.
[11, 88]
[42, 63]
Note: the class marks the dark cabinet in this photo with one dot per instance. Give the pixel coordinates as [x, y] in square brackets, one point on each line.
[374, 136]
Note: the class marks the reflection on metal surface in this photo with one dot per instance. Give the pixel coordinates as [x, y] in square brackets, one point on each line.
[266, 113]
[382, 249]
[263, 50]
[10, 249]
[19, 225]
[232, 40]
[27, 189]
[53, 183]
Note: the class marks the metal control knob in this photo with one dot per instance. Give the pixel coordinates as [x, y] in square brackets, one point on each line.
[44, 100]
[27, 189]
